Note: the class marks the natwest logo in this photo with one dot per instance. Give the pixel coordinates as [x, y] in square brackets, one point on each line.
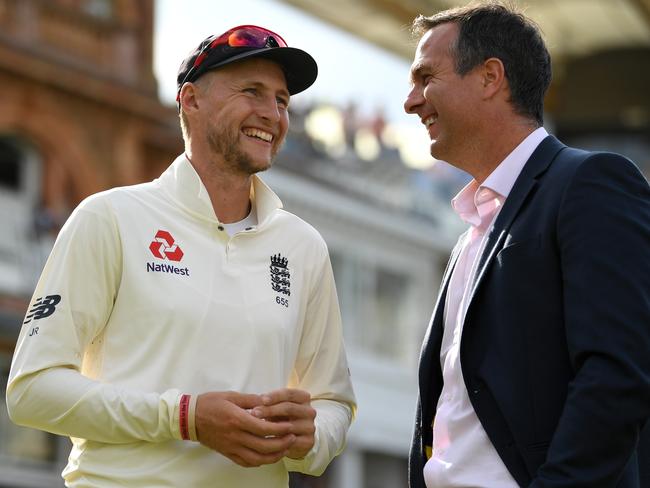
[163, 247]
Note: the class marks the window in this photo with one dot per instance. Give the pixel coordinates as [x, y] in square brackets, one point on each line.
[384, 471]
[390, 290]
[375, 303]
[20, 183]
[102, 9]
[10, 176]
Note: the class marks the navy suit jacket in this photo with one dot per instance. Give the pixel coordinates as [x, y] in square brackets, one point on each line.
[555, 349]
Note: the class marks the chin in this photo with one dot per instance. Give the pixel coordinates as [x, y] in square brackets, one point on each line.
[263, 163]
[260, 166]
[437, 151]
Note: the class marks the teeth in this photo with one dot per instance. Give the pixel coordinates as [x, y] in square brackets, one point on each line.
[260, 134]
[430, 120]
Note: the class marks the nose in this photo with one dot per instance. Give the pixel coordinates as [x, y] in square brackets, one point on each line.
[269, 109]
[414, 99]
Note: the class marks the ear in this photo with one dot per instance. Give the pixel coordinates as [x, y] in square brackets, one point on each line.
[493, 77]
[189, 97]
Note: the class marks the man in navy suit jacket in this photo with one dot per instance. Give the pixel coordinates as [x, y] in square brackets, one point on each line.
[535, 369]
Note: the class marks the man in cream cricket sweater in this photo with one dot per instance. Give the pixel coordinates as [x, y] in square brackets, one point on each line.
[186, 332]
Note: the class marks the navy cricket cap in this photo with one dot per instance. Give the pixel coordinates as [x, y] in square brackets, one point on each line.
[249, 41]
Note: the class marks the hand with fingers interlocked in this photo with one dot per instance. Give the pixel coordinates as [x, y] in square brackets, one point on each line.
[293, 406]
[224, 423]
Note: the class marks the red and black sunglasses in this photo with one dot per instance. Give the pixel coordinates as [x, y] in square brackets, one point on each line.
[243, 36]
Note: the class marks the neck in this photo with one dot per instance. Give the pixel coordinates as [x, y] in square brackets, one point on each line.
[229, 193]
[492, 147]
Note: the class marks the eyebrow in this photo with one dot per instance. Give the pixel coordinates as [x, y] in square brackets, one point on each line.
[258, 84]
[416, 71]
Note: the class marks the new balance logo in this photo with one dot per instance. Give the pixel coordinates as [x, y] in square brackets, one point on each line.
[43, 307]
[164, 247]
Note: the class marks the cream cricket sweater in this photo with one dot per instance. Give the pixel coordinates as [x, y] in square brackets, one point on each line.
[143, 299]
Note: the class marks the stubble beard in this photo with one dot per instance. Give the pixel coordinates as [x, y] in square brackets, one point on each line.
[226, 144]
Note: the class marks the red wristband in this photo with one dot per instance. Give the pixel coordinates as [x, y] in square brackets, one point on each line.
[183, 415]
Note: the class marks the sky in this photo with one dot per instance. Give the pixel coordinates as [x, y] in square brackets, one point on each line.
[350, 69]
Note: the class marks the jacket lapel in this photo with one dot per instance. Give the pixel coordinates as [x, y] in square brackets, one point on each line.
[434, 331]
[430, 373]
[538, 162]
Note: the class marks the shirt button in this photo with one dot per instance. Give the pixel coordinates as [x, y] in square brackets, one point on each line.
[220, 227]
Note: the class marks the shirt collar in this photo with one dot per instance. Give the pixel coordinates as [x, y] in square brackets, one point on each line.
[498, 184]
[476, 204]
[503, 178]
[183, 184]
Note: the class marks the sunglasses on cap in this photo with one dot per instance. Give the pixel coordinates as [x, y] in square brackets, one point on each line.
[247, 36]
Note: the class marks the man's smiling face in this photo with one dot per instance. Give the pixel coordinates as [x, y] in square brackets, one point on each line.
[246, 118]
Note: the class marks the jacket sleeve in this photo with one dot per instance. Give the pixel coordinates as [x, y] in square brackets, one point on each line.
[50, 386]
[321, 368]
[603, 232]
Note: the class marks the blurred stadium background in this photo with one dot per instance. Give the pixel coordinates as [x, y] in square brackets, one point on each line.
[80, 113]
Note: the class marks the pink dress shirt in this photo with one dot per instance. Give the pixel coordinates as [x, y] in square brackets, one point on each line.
[463, 455]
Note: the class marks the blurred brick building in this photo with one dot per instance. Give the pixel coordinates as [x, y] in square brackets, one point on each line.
[80, 113]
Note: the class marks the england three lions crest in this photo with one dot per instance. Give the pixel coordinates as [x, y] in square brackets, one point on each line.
[280, 274]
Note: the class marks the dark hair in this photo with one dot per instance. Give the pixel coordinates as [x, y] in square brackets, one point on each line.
[496, 30]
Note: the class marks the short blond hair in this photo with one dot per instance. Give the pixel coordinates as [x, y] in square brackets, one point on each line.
[203, 83]
[185, 124]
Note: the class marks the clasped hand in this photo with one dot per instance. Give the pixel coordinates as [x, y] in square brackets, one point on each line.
[253, 430]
